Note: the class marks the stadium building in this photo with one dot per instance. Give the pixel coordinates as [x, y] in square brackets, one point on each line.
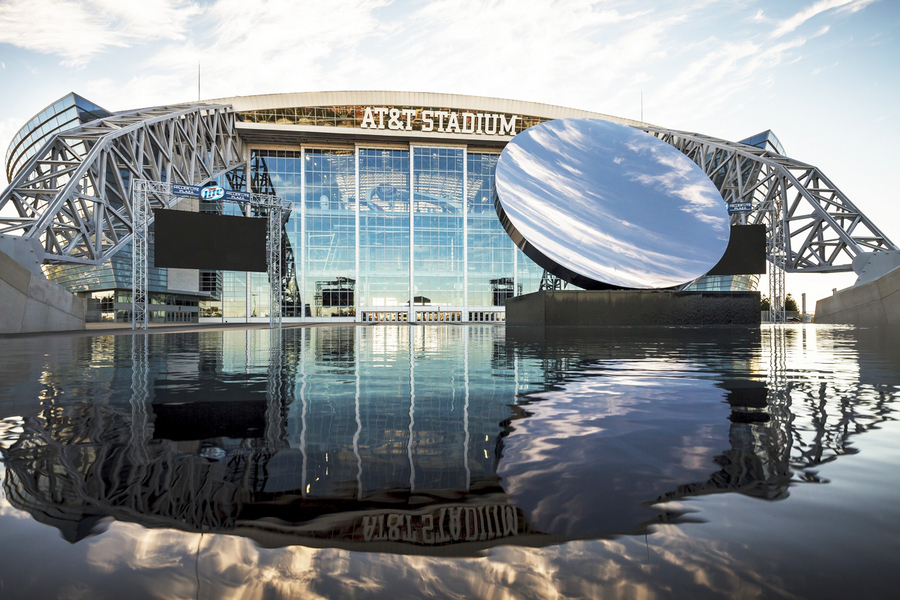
[391, 192]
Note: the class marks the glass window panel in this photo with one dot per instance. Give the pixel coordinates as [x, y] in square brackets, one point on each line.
[384, 227]
[234, 294]
[490, 250]
[330, 232]
[438, 223]
[279, 173]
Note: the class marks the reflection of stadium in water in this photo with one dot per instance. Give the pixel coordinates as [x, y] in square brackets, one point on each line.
[413, 461]
[394, 438]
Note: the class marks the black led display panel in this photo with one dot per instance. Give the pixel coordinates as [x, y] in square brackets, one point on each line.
[205, 420]
[189, 240]
[746, 252]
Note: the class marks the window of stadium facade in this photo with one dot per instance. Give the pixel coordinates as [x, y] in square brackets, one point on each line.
[65, 113]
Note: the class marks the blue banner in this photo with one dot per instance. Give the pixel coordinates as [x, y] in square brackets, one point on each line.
[237, 196]
[192, 191]
[736, 207]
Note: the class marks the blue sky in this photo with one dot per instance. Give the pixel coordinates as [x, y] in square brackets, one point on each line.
[822, 74]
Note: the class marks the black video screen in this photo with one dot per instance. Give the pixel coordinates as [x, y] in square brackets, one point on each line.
[746, 252]
[189, 240]
[337, 298]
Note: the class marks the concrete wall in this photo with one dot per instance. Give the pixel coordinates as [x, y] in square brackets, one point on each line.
[870, 304]
[633, 307]
[31, 303]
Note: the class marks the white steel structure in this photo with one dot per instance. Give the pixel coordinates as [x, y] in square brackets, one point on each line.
[811, 225]
[72, 199]
[821, 229]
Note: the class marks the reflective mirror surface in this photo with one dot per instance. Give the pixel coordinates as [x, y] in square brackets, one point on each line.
[451, 461]
[603, 205]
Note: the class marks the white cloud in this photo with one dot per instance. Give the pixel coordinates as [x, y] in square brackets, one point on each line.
[275, 46]
[78, 31]
[593, 55]
[472, 46]
[793, 22]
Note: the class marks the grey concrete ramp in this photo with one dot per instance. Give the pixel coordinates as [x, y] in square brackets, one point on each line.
[868, 304]
[30, 303]
[604, 308]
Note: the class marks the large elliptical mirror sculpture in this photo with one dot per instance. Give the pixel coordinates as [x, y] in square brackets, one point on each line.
[605, 206]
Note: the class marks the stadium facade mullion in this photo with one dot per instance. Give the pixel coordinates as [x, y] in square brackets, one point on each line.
[411, 312]
[303, 237]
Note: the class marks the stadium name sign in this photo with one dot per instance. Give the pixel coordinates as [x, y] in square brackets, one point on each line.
[443, 121]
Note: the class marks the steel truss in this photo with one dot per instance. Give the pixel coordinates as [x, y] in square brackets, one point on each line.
[811, 225]
[822, 230]
[73, 198]
[148, 195]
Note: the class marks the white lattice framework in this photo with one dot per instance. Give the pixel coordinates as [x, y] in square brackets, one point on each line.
[811, 226]
[823, 230]
[73, 197]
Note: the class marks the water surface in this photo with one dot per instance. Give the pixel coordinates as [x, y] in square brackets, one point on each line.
[451, 462]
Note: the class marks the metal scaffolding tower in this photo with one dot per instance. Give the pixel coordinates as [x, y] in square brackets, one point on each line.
[158, 194]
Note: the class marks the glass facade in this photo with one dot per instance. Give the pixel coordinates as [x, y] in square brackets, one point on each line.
[725, 283]
[373, 230]
[107, 288]
[438, 213]
[69, 111]
[330, 233]
[766, 140]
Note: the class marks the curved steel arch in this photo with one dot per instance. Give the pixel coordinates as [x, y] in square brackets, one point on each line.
[811, 225]
[72, 200]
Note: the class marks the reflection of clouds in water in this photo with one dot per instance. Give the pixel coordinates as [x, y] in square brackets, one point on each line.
[583, 193]
[134, 547]
[696, 449]
[621, 425]
[6, 509]
[229, 566]
[10, 430]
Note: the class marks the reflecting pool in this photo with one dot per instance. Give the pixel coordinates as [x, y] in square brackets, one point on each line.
[452, 461]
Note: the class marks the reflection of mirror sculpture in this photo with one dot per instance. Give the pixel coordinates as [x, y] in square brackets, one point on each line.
[603, 205]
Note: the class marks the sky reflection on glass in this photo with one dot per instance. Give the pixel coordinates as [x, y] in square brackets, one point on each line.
[604, 205]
